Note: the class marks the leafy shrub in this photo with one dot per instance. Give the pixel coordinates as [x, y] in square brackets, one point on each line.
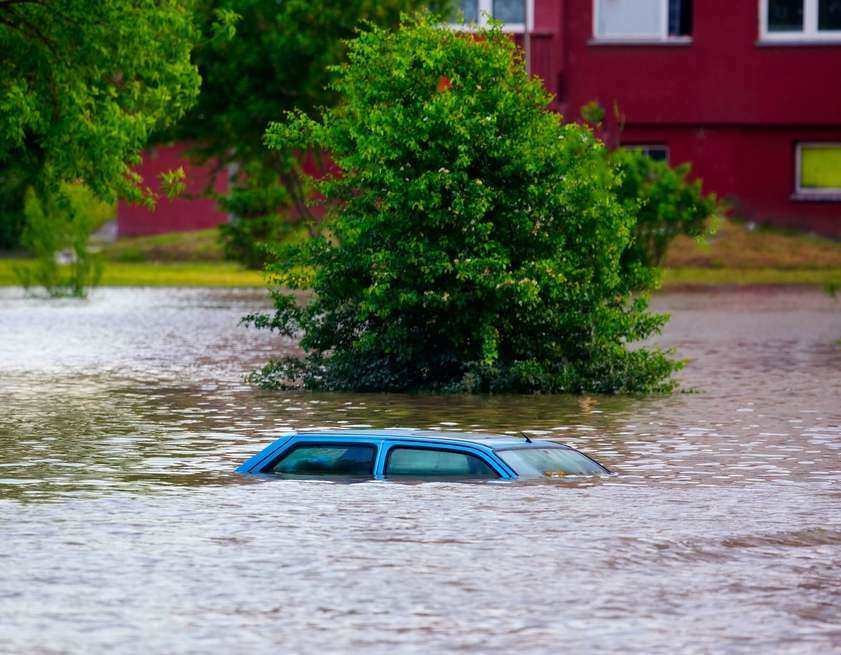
[474, 239]
[255, 221]
[248, 240]
[262, 57]
[13, 185]
[665, 201]
[62, 222]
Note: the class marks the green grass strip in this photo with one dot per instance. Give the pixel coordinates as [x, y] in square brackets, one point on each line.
[716, 277]
[176, 274]
[226, 274]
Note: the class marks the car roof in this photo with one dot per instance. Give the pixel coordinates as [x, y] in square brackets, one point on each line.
[494, 441]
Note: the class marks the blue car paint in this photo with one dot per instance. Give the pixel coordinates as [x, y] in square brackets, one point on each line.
[483, 446]
[256, 463]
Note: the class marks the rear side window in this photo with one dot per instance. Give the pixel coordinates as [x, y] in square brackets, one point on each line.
[350, 460]
[434, 463]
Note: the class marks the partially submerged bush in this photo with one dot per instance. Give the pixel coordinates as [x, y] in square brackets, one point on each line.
[13, 185]
[60, 224]
[666, 202]
[474, 239]
[255, 223]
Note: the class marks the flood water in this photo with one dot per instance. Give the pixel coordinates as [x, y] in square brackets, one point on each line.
[125, 530]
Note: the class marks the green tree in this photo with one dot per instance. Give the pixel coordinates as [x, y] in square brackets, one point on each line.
[82, 86]
[663, 197]
[64, 225]
[666, 202]
[278, 61]
[474, 239]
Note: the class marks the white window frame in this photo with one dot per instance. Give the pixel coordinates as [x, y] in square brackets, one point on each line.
[486, 13]
[662, 37]
[811, 193]
[810, 32]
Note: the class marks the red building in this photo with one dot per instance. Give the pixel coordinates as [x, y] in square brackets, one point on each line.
[190, 211]
[748, 91]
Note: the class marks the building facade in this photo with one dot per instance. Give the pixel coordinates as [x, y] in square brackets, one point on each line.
[748, 91]
[193, 210]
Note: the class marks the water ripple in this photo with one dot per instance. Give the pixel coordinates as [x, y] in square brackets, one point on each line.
[124, 528]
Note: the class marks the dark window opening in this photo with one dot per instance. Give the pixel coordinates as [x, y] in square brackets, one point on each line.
[470, 9]
[829, 15]
[785, 15]
[354, 460]
[680, 17]
[655, 152]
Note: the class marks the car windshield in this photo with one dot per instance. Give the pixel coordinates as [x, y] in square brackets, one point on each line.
[550, 462]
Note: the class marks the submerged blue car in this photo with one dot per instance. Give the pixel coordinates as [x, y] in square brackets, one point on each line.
[417, 454]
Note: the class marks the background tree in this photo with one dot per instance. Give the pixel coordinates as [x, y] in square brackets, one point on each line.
[666, 201]
[277, 61]
[63, 225]
[82, 85]
[474, 239]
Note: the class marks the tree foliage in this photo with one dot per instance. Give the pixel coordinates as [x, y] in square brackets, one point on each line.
[666, 202]
[62, 224]
[277, 61]
[474, 239]
[82, 85]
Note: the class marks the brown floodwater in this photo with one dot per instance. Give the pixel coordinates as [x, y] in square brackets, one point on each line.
[124, 528]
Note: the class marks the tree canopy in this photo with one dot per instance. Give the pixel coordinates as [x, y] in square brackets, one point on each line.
[474, 240]
[279, 60]
[82, 86]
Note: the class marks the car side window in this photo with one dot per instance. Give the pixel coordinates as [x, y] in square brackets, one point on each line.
[404, 462]
[345, 460]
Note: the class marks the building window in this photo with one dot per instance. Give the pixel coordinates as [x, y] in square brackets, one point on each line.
[642, 20]
[819, 171]
[657, 152]
[800, 20]
[513, 13]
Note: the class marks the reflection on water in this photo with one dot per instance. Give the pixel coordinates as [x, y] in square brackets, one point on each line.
[122, 417]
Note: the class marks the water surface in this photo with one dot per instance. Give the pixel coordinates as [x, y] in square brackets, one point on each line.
[124, 530]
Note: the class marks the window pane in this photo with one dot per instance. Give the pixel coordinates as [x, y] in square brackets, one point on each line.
[657, 152]
[829, 15]
[349, 461]
[470, 9]
[680, 17]
[510, 11]
[785, 15]
[820, 167]
[550, 462]
[630, 18]
[430, 463]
